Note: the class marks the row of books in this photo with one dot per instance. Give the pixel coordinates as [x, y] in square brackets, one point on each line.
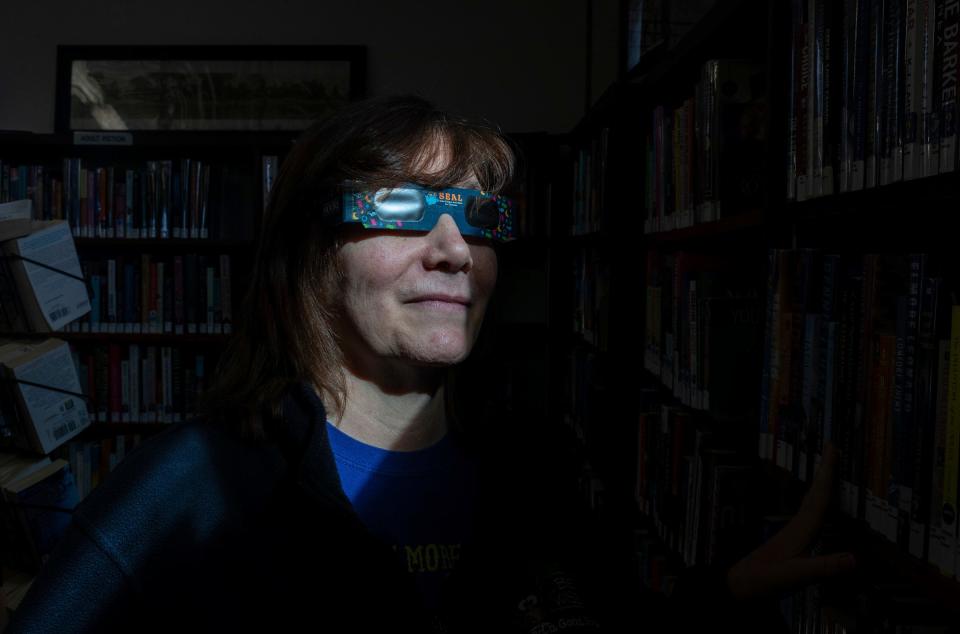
[590, 187]
[92, 460]
[591, 296]
[882, 606]
[697, 488]
[873, 93]
[583, 387]
[532, 189]
[136, 383]
[185, 293]
[702, 330]
[151, 199]
[705, 502]
[704, 158]
[858, 350]
[708, 505]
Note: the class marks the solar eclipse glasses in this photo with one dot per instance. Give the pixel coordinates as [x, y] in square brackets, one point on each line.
[410, 207]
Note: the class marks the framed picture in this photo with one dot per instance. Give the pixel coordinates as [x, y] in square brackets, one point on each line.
[215, 88]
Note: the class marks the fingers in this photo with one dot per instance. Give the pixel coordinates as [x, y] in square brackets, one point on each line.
[800, 531]
[749, 580]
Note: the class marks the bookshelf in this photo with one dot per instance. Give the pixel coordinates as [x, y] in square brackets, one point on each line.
[186, 202]
[674, 245]
[171, 322]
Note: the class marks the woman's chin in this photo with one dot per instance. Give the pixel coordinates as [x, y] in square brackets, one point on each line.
[442, 348]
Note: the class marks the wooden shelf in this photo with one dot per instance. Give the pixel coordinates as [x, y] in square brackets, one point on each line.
[112, 429]
[717, 22]
[737, 226]
[907, 215]
[146, 338]
[155, 140]
[177, 244]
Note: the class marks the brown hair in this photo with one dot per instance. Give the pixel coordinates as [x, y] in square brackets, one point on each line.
[284, 330]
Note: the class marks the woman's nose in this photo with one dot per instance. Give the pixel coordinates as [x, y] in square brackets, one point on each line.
[448, 248]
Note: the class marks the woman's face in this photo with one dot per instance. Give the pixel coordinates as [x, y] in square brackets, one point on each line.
[415, 296]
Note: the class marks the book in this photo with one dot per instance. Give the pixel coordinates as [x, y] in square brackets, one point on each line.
[42, 260]
[38, 374]
[38, 498]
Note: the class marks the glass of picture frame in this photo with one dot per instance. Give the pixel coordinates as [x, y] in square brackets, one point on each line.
[204, 88]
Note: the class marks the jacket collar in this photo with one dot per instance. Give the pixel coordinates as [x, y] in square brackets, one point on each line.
[302, 438]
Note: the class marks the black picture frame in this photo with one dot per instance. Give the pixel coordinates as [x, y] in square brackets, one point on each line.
[270, 88]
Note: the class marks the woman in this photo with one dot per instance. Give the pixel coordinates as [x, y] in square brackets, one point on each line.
[332, 481]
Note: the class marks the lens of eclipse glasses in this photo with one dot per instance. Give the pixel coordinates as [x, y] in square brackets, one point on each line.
[408, 205]
[403, 204]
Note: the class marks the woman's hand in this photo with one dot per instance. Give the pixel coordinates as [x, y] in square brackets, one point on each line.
[779, 564]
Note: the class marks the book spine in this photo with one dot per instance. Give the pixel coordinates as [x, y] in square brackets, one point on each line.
[792, 88]
[191, 292]
[942, 526]
[147, 389]
[907, 438]
[226, 294]
[874, 94]
[109, 194]
[135, 384]
[913, 88]
[96, 301]
[891, 154]
[102, 383]
[183, 199]
[70, 194]
[951, 466]
[811, 344]
[116, 403]
[100, 212]
[142, 185]
[931, 87]
[152, 299]
[112, 319]
[167, 384]
[819, 80]
[833, 73]
[176, 365]
[948, 86]
[156, 194]
[204, 201]
[924, 428]
[125, 389]
[158, 289]
[860, 93]
[178, 295]
[880, 422]
[802, 40]
[894, 486]
[128, 210]
[166, 195]
[862, 424]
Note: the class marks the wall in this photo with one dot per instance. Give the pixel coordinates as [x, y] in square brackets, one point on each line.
[519, 63]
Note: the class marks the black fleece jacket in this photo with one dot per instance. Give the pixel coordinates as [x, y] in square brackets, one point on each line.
[198, 529]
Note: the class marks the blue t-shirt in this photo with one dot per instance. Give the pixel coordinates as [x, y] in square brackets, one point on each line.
[420, 502]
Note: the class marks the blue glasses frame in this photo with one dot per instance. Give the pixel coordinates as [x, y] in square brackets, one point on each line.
[410, 207]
